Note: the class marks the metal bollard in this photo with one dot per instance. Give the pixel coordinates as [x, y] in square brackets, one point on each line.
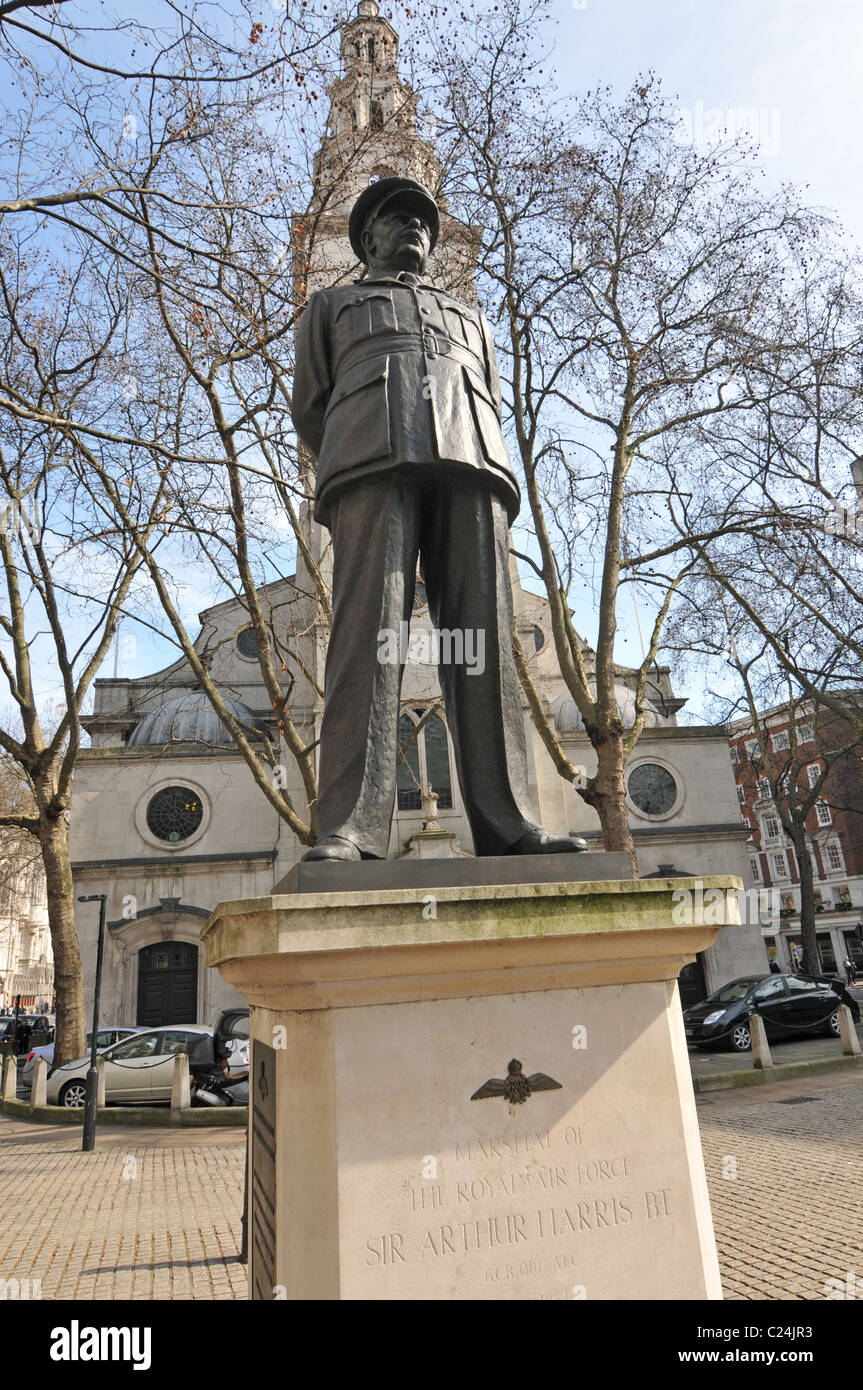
[180, 1091]
[10, 1079]
[848, 1032]
[761, 1058]
[39, 1086]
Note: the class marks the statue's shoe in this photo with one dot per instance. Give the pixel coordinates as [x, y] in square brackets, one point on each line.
[333, 847]
[541, 841]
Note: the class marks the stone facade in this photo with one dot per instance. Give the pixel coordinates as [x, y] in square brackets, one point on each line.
[156, 733]
[26, 955]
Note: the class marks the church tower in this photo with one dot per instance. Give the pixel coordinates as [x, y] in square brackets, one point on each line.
[372, 132]
[372, 129]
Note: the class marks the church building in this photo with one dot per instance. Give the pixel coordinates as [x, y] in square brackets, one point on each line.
[167, 818]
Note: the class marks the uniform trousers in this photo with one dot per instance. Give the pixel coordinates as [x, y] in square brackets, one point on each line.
[458, 531]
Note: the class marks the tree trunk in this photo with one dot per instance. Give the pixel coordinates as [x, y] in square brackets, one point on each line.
[608, 796]
[70, 1039]
[811, 961]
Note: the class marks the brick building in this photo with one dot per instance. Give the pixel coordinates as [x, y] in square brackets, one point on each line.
[825, 749]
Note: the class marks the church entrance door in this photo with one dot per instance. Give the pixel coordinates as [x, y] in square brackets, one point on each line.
[167, 983]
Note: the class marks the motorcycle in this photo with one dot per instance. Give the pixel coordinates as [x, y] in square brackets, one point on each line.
[215, 1087]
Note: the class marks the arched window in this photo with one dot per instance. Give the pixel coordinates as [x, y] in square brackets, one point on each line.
[423, 758]
[376, 118]
[371, 50]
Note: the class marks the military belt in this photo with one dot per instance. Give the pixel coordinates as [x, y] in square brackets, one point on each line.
[430, 342]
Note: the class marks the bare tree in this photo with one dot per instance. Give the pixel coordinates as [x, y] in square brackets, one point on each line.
[637, 282]
[66, 578]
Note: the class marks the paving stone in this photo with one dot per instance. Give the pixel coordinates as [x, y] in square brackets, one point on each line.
[790, 1221]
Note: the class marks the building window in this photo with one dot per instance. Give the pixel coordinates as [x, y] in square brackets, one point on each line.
[764, 788]
[823, 812]
[842, 894]
[733, 753]
[755, 868]
[805, 733]
[376, 118]
[371, 50]
[421, 598]
[780, 740]
[247, 643]
[174, 814]
[652, 789]
[833, 856]
[753, 749]
[778, 866]
[772, 828]
[741, 795]
[538, 638]
[813, 772]
[423, 758]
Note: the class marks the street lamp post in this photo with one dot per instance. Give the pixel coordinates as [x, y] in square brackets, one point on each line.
[88, 1140]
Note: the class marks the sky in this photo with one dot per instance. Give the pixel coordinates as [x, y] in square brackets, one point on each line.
[794, 62]
[789, 70]
[786, 69]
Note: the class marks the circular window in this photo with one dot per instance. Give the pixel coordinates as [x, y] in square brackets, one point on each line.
[174, 814]
[652, 789]
[247, 643]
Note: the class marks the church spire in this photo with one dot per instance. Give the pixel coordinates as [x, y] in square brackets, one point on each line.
[372, 126]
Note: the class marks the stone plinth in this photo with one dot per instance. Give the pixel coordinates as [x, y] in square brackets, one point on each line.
[378, 1015]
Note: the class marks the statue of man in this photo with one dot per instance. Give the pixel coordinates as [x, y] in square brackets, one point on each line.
[396, 393]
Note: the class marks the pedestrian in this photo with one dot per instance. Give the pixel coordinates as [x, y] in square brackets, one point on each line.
[850, 970]
[774, 968]
[23, 1033]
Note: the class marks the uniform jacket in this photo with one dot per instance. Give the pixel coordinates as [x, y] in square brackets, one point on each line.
[395, 374]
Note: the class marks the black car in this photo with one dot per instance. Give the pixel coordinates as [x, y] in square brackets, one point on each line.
[789, 1005]
[19, 1035]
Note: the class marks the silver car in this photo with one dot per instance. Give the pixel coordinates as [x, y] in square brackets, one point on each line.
[104, 1038]
[138, 1071]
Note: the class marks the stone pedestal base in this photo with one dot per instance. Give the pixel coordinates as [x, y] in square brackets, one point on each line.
[377, 1172]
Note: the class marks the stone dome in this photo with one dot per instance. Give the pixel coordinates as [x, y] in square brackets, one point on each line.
[190, 718]
[568, 720]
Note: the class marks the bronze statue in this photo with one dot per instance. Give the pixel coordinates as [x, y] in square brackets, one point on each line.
[396, 393]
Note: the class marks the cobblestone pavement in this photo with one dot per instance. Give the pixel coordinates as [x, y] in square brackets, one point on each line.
[156, 1213]
[792, 1217]
[147, 1214]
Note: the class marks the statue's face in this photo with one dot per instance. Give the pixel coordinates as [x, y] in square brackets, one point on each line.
[397, 239]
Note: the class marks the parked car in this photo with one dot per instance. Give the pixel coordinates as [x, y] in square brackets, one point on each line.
[104, 1038]
[140, 1070]
[19, 1035]
[790, 1005]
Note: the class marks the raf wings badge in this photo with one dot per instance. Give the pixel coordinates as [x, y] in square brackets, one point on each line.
[517, 1088]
